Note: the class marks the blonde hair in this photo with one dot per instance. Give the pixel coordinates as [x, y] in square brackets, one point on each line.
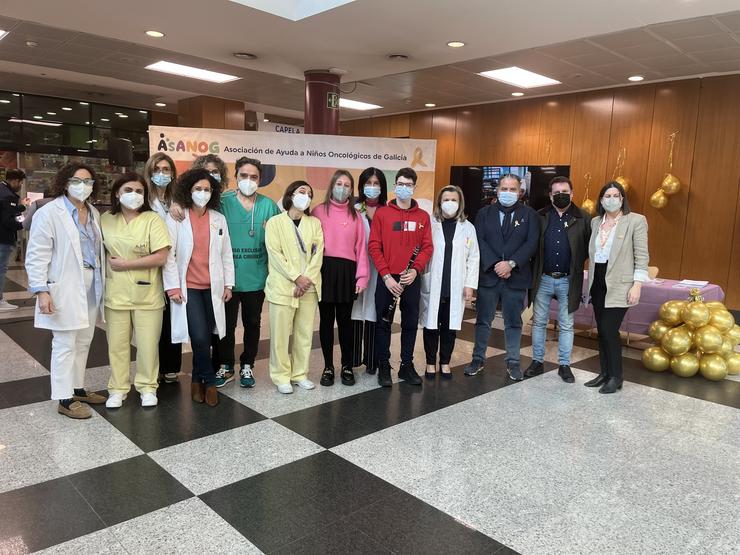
[460, 216]
[149, 168]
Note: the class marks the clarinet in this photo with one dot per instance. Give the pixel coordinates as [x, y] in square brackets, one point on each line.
[390, 310]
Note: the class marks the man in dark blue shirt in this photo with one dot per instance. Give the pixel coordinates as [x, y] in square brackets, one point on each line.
[563, 249]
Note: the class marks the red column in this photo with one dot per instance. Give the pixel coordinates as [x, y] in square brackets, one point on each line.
[321, 111]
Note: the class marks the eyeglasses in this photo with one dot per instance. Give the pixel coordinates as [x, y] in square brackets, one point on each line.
[78, 181]
[163, 171]
[402, 184]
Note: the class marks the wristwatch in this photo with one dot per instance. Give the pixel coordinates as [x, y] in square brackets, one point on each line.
[512, 264]
[386, 276]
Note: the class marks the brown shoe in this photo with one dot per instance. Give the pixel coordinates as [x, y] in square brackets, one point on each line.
[197, 392]
[211, 396]
[90, 397]
[76, 410]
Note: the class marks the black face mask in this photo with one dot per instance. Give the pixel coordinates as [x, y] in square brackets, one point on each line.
[561, 200]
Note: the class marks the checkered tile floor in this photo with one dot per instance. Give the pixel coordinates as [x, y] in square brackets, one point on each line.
[473, 465]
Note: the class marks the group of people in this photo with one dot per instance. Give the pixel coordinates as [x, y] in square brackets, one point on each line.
[176, 258]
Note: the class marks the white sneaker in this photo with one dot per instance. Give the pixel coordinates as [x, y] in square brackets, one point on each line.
[148, 399]
[285, 388]
[115, 400]
[305, 384]
[5, 306]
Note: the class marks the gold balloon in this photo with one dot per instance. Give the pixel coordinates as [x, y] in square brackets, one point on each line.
[589, 207]
[715, 305]
[733, 364]
[655, 359]
[708, 339]
[685, 365]
[671, 184]
[624, 182]
[713, 367]
[695, 314]
[670, 312]
[658, 199]
[657, 330]
[722, 320]
[727, 348]
[676, 341]
[734, 333]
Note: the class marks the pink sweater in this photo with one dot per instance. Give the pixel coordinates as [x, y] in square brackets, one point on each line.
[344, 237]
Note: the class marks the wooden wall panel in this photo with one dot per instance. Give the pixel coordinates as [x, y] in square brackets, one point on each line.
[443, 129]
[233, 114]
[676, 109]
[164, 118]
[399, 127]
[632, 118]
[732, 298]
[525, 133]
[715, 177]
[364, 128]
[555, 139]
[381, 126]
[420, 125]
[348, 128]
[495, 119]
[468, 131]
[591, 125]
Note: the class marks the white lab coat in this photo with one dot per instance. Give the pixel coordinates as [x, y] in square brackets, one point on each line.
[464, 269]
[54, 260]
[363, 308]
[221, 268]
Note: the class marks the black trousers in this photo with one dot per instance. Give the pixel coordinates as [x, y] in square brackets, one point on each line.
[443, 338]
[251, 304]
[608, 321]
[363, 344]
[408, 304]
[170, 354]
[342, 314]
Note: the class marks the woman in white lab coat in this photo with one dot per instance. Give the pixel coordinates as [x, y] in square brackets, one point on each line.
[449, 280]
[198, 277]
[65, 262]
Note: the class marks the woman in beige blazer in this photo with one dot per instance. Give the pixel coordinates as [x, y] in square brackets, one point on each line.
[618, 262]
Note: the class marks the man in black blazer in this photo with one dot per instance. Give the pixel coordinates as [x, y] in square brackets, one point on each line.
[508, 235]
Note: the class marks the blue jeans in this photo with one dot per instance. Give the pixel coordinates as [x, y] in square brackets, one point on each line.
[204, 342]
[549, 288]
[512, 304]
[5, 251]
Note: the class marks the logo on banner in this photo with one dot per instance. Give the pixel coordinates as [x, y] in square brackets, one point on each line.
[194, 146]
[418, 158]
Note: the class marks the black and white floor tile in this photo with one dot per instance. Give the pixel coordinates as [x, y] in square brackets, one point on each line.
[470, 465]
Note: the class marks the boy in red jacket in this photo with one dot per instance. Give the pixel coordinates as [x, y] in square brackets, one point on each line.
[397, 229]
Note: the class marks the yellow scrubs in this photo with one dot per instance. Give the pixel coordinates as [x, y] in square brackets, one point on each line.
[134, 299]
[292, 252]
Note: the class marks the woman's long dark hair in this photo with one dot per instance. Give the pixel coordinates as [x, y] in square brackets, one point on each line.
[367, 174]
[604, 189]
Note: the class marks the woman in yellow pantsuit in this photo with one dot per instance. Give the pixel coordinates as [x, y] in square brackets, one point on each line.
[295, 250]
[137, 243]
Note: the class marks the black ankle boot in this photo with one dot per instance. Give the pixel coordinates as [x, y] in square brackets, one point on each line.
[407, 373]
[384, 375]
[347, 375]
[612, 386]
[601, 379]
[327, 376]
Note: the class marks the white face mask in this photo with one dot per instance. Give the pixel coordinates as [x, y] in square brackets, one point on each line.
[301, 201]
[80, 191]
[132, 200]
[449, 207]
[611, 204]
[201, 198]
[247, 187]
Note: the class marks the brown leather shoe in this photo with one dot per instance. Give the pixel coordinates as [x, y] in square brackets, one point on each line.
[197, 392]
[76, 410]
[90, 397]
[211, 396]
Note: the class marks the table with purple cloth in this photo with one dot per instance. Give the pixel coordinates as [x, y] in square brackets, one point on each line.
[639, 317]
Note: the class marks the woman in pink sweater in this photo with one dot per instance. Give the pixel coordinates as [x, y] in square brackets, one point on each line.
[344, 272]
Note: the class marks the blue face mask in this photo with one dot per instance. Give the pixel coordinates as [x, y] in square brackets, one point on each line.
[216, 176]
[508, 198]
[404, 192]
[161, 180]
[371, 191]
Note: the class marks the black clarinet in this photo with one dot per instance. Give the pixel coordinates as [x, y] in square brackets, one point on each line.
[390, 310]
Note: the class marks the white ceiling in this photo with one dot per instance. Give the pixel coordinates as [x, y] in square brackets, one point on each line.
[586, 44]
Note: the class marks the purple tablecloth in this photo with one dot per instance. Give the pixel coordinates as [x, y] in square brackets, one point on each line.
[639, 317]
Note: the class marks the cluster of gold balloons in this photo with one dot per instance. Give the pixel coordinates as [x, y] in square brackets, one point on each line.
[693, 336]
[670, 186]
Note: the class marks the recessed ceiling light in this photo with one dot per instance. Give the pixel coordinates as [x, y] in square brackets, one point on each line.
[4, 101]
[397, 57]
[16, 94]
[245, 55]
[104, 119]
[143, 112]
[82, 150]
[265, 120]
[357, 105]
[49, 123]
[519, 77]
[66, 108]
[517, 94]
[122, 116]
[51, 113]
[155, 34]
[84, 103]
[87, 123]
[455, 44]
[92, 141]
[32, 43]
[160, 104]
[2, 33]
[192, 72]
[635, 78]
[38, 117]
[430, 104]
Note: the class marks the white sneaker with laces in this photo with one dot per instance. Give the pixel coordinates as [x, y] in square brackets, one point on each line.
[5, 306]
[115, 400]
[148, 399]
[305, 384]
[285, 388]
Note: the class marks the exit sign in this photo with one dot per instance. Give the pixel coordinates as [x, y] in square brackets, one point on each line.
[332, 100]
